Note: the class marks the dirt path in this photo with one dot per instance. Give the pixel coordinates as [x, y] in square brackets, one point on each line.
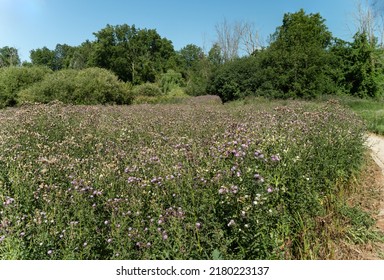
[376, 143]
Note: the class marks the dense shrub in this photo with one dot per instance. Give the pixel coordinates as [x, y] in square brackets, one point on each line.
[170, 81]
[14, 79]
[88, 86]
[236, 79]
[147, 89]
[197, 85]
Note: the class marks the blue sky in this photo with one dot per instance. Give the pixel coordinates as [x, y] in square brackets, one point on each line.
[31, 24]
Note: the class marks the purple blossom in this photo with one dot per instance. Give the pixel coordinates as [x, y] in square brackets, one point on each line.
[269, 189]
[234, 189]
[9, 201]
[223, 190]
[259, 154]
[275, 158]
[198, 225]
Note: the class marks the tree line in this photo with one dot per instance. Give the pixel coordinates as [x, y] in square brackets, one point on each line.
[302, 59]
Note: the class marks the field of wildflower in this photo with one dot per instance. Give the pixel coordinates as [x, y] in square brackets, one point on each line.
[181, 181]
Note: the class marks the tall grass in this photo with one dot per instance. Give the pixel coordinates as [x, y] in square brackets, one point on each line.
[171, 181]
[370, 110]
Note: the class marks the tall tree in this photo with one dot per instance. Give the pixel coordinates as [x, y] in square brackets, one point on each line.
[251, 40]
[298, 55]
[190, 55]
[229, 36]
[81, 57]
[363, 75]
[9, 57]
[232, 38]
[134, 55]
[44, 56]
[366, 21]
[214, 55]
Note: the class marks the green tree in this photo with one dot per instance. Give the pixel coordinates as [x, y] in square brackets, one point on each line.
[82, 56]
[43, 57]
[362, 73]
[298, 56]
[134, 55]
[63, 56]
[57, 59]
[214, 56]
[190, 55]
[9, 57]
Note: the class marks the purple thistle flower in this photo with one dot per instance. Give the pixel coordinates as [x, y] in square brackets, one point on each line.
[223, 190]
[234, 189]
[275, 158]
[9, 201]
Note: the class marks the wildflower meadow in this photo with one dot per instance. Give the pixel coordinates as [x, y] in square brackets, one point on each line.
[176, 181]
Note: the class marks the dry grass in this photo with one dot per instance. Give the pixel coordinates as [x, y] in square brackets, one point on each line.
[367, 193]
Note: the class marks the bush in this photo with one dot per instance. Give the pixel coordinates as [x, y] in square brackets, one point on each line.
[236, 79]
[14, 79]
[88, 86]
[147, 89]
[99, 86]
[170, 81]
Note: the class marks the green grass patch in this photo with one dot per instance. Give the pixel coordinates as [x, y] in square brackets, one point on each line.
[371, 110]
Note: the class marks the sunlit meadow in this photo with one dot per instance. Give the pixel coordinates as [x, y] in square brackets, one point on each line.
[185, 181]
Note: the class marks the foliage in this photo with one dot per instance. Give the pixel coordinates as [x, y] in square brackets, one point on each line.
[135, 55]
[298, 56]
[9, 57]
[171, 181]
[147, 89]
[88, 86]
[14, 79]
[190, 55]
[170, 80]
[370, 110]
[44, 57]
[296, 64]
[236, 79]
[362, 72]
